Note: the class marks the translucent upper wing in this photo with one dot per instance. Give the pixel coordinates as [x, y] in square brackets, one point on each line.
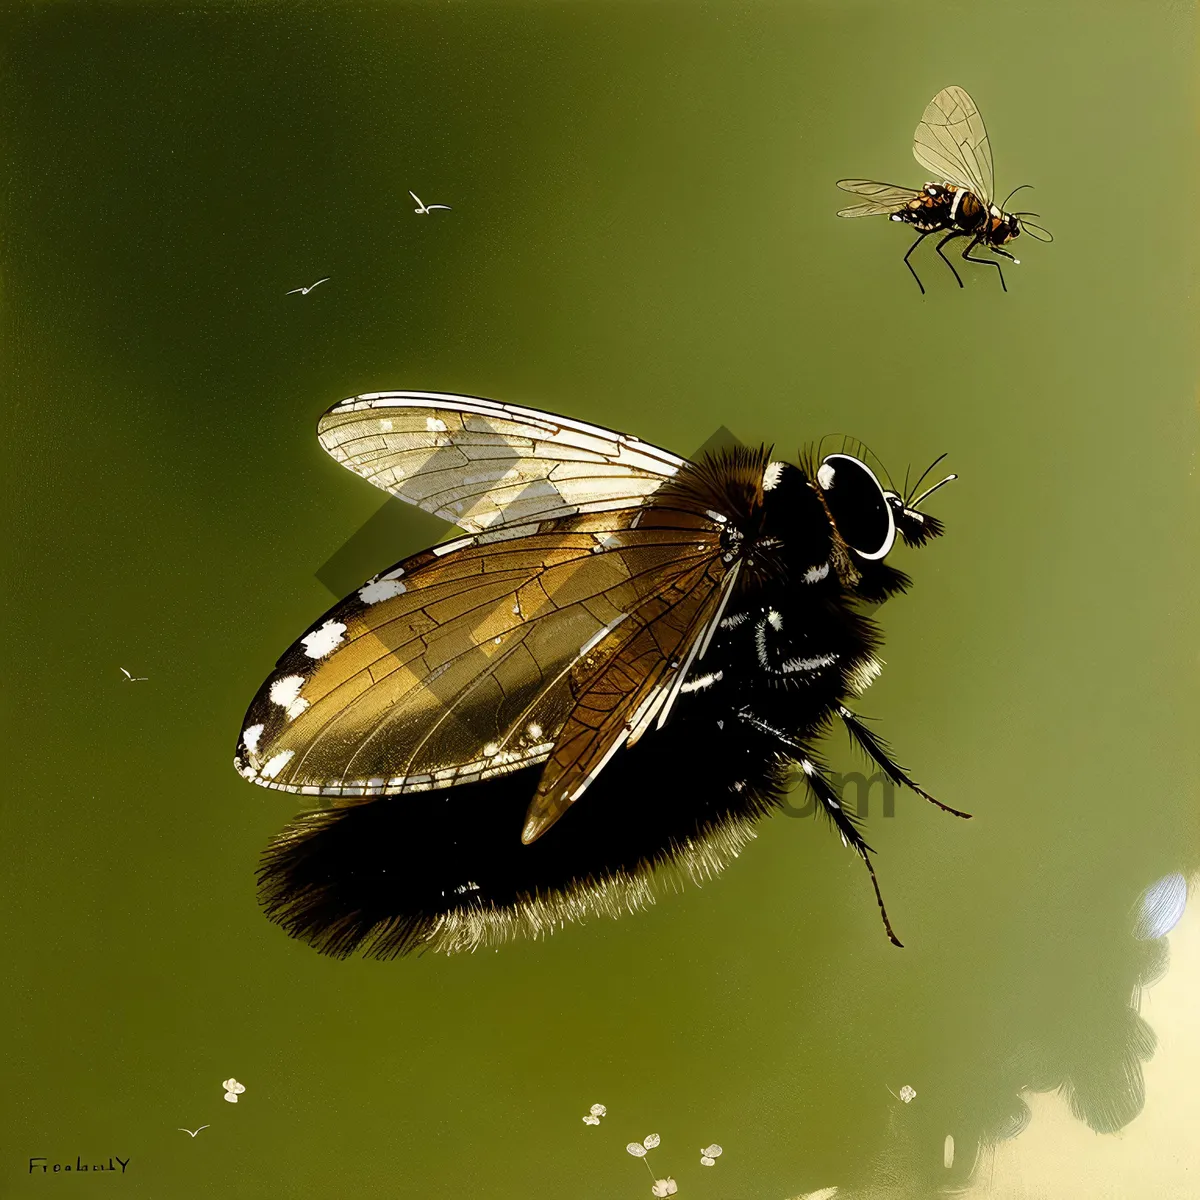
[635, 685]
[481, 464]
[884, 197]
[951, 141]
[468, 660]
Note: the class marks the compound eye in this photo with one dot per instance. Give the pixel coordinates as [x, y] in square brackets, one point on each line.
[858, 505]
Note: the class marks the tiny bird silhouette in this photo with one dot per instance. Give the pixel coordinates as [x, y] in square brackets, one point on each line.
[189, 1132]
[426, 208]
[133, 678]
[305, 291]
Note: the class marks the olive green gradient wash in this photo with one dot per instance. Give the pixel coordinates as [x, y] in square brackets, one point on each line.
[642, 235]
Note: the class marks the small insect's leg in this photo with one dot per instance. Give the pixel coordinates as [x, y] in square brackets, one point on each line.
[827, 796]
[991, 262]
[954, 233]
[909, 265]
[877, 750]
[997, 250]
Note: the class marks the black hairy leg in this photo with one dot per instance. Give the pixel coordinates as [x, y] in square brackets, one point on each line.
[879, 753]
[826, 794]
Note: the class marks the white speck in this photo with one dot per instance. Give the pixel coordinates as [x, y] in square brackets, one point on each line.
[636, 1149]
[823, 1193]
[703, 681]
[808, 664]
[496, 641]
[948, 1152]
[771, 476]
[1161, 907]
[190, 1132]
[491, 749]
[321, 641]
[423, 208]
[380, 589]
[274, 765]
[233, 1090]
[535, 731]
[386, 425]
[775, 619]
[598, 1110]
[590, 1120]
[864, 674]
[651, 1140]
[665, 1187]
[303, 291]
[133, 678]
[710, 1154]
[250, 736]
[816, 574]
[907, 1094]
[435, 425]
[825, 476]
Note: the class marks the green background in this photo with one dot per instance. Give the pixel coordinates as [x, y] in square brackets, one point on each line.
[643, 236]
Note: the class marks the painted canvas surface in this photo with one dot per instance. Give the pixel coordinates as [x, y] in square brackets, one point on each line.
[218, 221]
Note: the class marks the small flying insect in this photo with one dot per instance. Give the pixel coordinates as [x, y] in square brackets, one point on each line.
[600, 687]
[950, 141]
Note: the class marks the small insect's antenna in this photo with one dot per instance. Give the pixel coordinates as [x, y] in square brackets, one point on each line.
[1011, 194]
[929, 491]
[920, 481]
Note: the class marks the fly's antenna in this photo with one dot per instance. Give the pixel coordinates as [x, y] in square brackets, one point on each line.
[929, 491]
[1004, 206]
[908, 503]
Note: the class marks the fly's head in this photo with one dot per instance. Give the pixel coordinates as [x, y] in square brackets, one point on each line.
[866, 516]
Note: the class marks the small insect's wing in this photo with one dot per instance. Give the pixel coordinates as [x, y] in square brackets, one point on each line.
[640, 667]
[951, 141]
[883, 198]
[480, 464]
[465, 661]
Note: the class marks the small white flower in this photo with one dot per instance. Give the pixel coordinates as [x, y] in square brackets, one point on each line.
[591, 1120]
[709, 1155]
[636, 1149]
[651, 1141]
[233, 1089]
[598, 1110]
[665, 1187]
[907, 1094]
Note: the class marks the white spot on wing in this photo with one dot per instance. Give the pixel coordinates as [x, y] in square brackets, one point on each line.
[385, 425]
[825, 476]
[771, 475]
[274, 765]
[250, 736]
[816, 574]
[380, 589]
[286, 693]
[435, 425]
[321, 641]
